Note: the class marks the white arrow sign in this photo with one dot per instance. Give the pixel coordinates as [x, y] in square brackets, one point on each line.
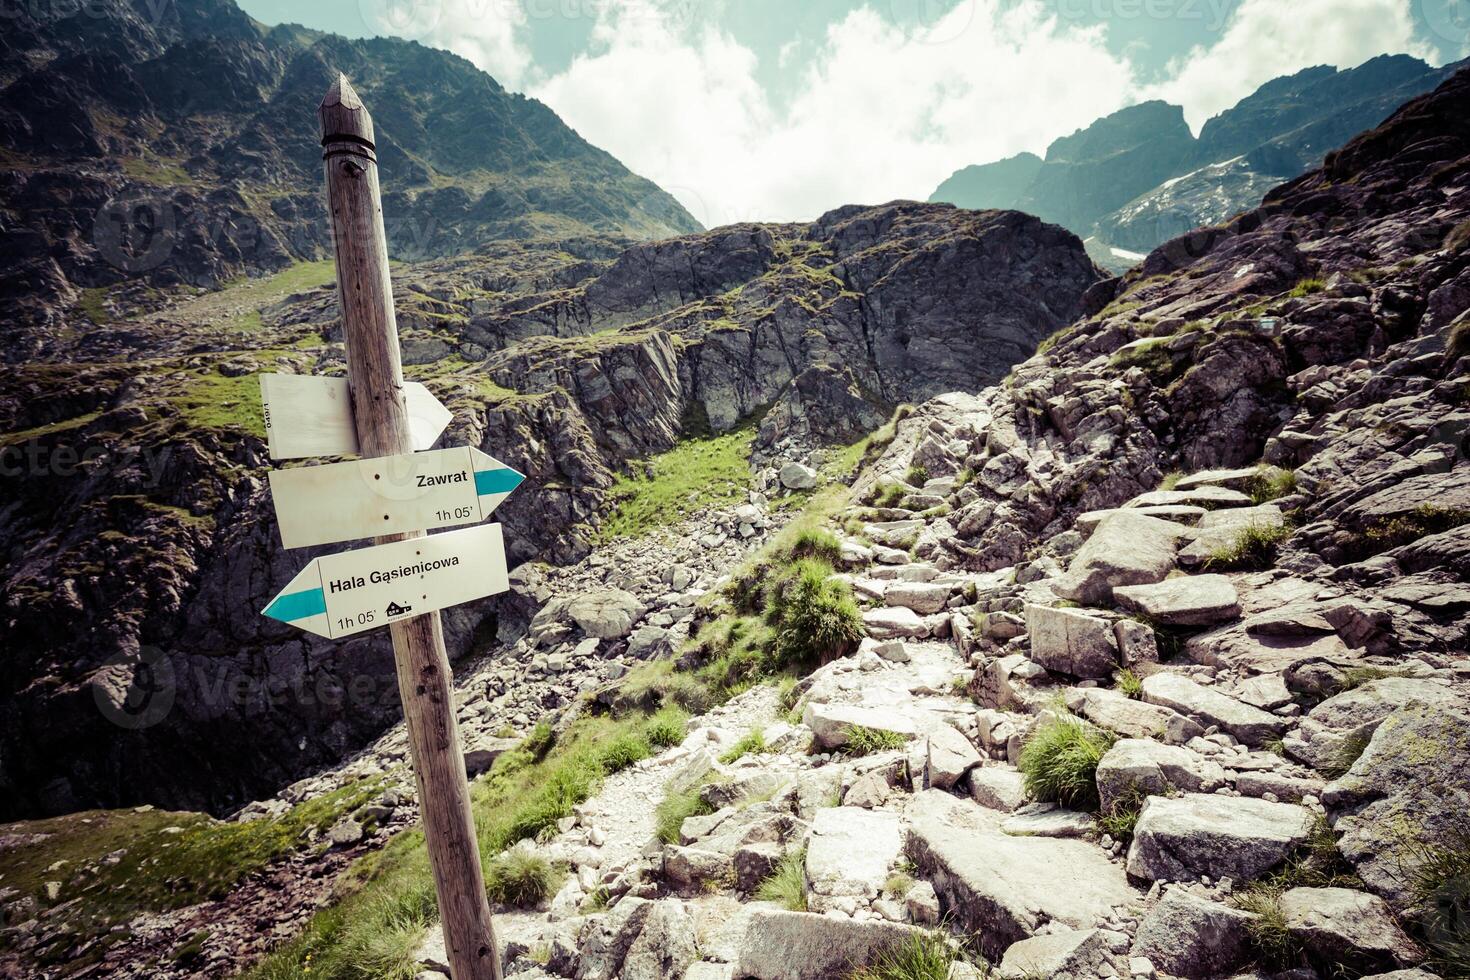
[388, 495]
[358, 590]
[310, 416]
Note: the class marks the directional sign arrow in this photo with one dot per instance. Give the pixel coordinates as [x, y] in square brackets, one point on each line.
[388, 495]
[310, 416]
[358, 590]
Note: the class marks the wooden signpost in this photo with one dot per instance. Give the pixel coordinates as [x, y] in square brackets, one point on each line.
[408, 576]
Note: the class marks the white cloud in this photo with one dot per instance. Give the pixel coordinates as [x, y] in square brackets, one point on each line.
[1268, 38]
[881, 111]
[484, 32]
[878, 114]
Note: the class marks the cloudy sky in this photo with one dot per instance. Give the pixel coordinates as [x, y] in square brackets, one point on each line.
[781, 109]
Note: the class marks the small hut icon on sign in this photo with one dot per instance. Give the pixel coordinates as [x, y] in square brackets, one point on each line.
[394, 609]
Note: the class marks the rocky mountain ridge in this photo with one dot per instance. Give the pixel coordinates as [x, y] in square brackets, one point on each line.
[1138, 177]
[155, 146]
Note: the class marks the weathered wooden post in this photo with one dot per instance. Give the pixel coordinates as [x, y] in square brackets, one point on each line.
[380, 411]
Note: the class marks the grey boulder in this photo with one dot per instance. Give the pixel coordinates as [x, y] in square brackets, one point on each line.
[1251, 725]
[1182, 838]
[1188, 936]
[1070, 642]
[781, 945]
[1189, 600]
[1140, 767]
[950, 755]
[1342, 927]
[1125, 549]
[607, 614]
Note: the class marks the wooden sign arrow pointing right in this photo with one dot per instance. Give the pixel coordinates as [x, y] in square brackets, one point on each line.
[388, 495]
[306, 415]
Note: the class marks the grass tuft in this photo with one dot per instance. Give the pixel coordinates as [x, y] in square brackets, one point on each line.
[812, 616]
[1059, 761]
[1253, 549]
[667, 728]
[1458, 343]
[520, 878]
[923, 956]
[888, 494]
[1352, 747]
[752, 743]
[1308, 287]
[1119, 820]
[818, 543]
[786, 885]
[1441, 882]
[862, 740]
[1129, 684]
[674, 810]
[625, 751]
[1270, 483]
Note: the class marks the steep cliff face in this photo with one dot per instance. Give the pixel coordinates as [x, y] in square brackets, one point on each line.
[175, 146]
[156, 551]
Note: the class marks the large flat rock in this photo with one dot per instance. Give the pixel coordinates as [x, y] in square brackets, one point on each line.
[1126, 549]
[1135, 719]
[830, 723]
[850, 852]
[895, 622]
[780, 945]
[1144, 767]
[1219, 529]
[1198, 496]
[1005, 888]
[1181, 838]
[1251, 725]
[1189, 600]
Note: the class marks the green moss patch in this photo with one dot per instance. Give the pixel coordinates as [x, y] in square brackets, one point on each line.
[696, 474]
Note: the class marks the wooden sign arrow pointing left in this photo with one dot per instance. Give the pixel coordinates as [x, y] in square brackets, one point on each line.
[338, 595]
[388, 495]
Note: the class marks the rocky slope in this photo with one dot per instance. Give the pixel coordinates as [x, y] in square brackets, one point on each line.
[1103, 721]
[1138, 177]
[1264, 659]
[139, 535]
[173, 144]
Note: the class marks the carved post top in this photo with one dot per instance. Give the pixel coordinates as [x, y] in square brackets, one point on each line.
[344, 118]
